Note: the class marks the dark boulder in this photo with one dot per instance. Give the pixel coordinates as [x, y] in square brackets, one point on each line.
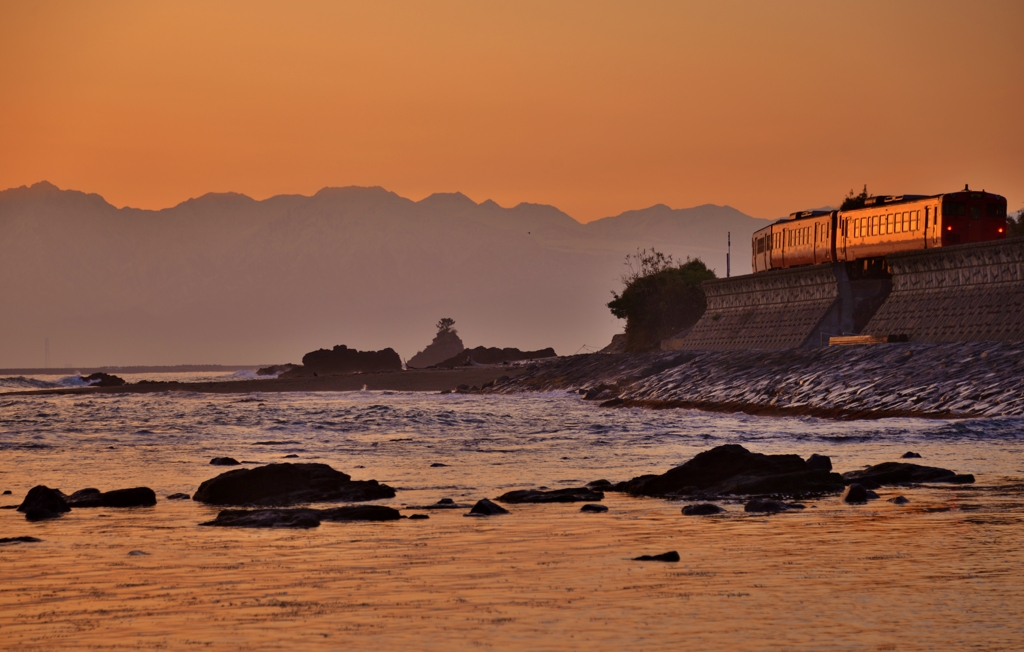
[287, 484]
[732, 469]
[768, 506]
[910, 455]
[343, 360]
[134, 497]
[889, 473]
[41, 503]
[599, 484]
[7, 540]
[360, 513]
[100, 379]
[437, 465]
[594, 509]
[665, 556]
[703, 509]
[819, 462]
[418, 517]
[224, 461]
[7, 492]
[856, 493]
[899, 500]
[179, 496]
[577, 495]
[291, 518]
[485, 507]
[492, 355]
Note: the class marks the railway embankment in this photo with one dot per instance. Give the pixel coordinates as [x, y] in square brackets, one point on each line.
[942, 380]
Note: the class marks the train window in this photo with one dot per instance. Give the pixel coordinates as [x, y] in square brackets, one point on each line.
[975, 212]
[760, 245]
[890, 223]
[954, 209]
[997, 211]
[913, 218]
[875, 223]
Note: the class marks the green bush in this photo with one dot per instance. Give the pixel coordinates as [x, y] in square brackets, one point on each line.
[660, 301]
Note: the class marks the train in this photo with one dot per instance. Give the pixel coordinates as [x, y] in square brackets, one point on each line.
[884, 225]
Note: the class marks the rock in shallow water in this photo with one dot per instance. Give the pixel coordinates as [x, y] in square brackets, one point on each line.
[485, 507]
[888, 473]
[179, 496]
[899, 500]
[576, 495]
[224, 461]
[7, 540]
[770, 506]
[301, 517]
[732, 469]
[287, 484]
[134, 497]
[909, 455]
[856, 493]
[703, 509]
[594, 509]
[42, 503]
[665, 556]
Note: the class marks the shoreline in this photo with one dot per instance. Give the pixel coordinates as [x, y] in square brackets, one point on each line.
[415, 380]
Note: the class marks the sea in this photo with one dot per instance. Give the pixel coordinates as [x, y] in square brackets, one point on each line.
[941, 572]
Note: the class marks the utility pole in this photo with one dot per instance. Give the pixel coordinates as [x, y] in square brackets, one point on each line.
[728, 253]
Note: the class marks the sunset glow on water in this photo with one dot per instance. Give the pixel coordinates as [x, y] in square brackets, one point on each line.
[940, 572]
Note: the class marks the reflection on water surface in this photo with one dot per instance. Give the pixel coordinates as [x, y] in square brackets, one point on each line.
[939, 573]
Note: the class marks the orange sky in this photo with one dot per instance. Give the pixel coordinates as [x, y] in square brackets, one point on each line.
[593, 107]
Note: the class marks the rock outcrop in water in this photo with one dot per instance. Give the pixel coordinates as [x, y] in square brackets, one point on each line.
[100, 379]
[134, 497]
[343, 360]
[947, 379]
[732, 469]
[301, 518]
[285, 484]
[42, 503]
[492, 355]
[577, 495]
[446, 344]
[485, 507]
[889, 473]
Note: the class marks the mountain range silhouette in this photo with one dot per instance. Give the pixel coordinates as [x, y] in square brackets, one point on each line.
[224, 278]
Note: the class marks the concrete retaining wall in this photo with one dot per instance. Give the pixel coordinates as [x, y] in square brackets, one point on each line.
[963, 293]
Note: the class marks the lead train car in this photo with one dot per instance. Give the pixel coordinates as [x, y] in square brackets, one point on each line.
[885, 225]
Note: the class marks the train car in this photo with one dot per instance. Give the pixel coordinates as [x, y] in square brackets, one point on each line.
[804, 238]
[885, 225]
[892, 224]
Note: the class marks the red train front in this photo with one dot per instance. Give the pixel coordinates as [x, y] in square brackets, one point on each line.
[884, 225]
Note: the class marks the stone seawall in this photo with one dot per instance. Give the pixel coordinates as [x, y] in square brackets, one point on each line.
[960, 293]
[968, 379]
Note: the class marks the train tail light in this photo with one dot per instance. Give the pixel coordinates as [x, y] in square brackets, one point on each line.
[1000, 229]
[949, 228]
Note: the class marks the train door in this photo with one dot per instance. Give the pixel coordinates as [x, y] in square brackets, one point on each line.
[929, 223]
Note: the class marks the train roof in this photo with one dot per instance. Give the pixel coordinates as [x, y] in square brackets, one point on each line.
[804, 215]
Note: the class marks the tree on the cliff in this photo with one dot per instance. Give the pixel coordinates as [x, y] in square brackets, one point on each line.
[659, 299]
[853, 200]
[445, 325]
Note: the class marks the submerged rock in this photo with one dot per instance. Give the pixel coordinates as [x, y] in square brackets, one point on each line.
[665, 556]
[179, 496]
[703, 509]
[42, 503]
[769, 506]
[599, 484]
[224, 461]
[485, 507]
[595, 509]
[360, 513]
[285, 484]
[100, 379]
[292, 518]
[732, 469]
[492, 355]
[134, 497]
[899, 500]
[418, 517]
[576, 495]
[444, 503]
[909, 455]
[856, 493]
[888, 473]
[7, 540]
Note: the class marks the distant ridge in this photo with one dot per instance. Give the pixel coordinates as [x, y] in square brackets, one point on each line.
[226, 277]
